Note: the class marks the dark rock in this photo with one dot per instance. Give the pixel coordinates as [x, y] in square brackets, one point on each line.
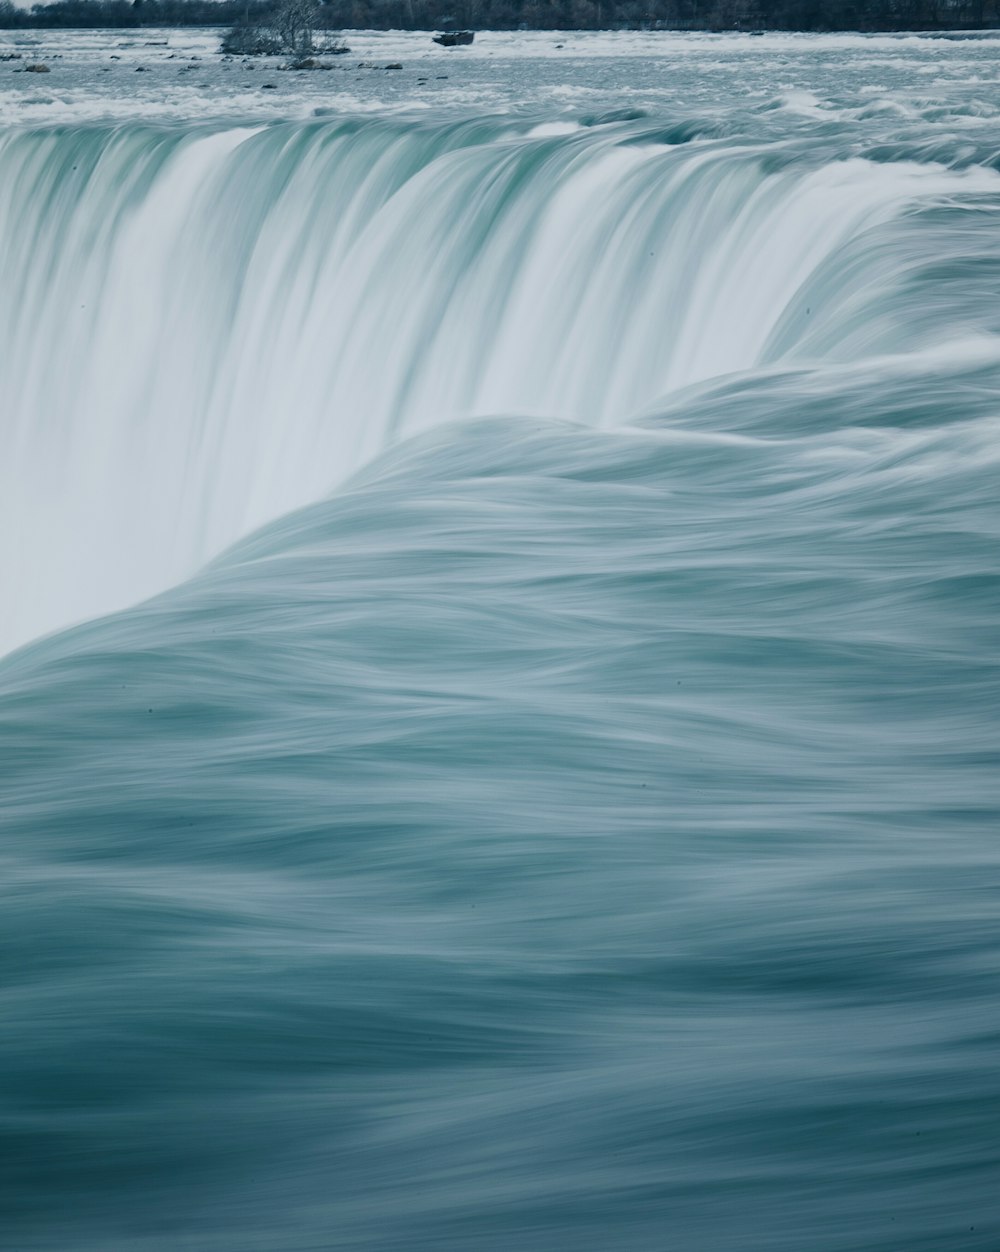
[455, 38]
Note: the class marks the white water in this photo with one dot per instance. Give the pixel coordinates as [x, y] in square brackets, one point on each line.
[205, 330]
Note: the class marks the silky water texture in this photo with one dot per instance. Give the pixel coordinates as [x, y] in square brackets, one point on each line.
[499, 593]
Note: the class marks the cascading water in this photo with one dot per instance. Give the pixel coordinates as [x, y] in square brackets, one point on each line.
[205, 330]
[550, 798]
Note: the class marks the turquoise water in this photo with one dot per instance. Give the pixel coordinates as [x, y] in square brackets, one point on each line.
[524, 771]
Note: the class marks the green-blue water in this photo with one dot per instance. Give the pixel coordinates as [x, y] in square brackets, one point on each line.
[551, 798]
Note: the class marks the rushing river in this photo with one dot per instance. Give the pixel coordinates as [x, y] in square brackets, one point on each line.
[500, 594]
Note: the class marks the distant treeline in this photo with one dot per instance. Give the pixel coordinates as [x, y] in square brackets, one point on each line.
[718, 15]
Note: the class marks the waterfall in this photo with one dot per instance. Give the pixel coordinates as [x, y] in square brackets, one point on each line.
[204, 328]
[499, 583]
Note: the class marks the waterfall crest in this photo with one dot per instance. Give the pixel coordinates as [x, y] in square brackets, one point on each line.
[207, 328]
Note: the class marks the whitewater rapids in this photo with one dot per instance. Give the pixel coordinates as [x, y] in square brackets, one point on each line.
[499, 722]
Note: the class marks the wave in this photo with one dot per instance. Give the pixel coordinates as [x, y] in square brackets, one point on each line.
[555, 833]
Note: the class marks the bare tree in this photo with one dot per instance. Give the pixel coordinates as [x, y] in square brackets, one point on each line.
[294, 23]
[287, 29]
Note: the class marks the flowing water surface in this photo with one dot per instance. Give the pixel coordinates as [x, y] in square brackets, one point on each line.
[499, 586]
